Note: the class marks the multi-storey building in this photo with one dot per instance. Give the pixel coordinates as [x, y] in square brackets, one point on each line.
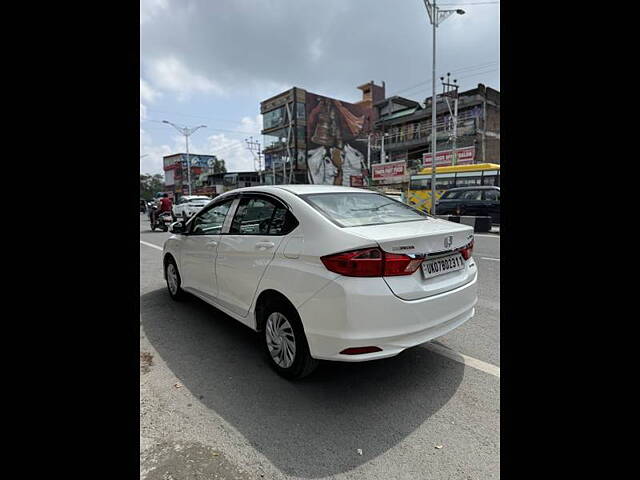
[406, 127]
[310, 138]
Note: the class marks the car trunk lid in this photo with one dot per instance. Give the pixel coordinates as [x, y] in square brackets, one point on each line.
[435, 238]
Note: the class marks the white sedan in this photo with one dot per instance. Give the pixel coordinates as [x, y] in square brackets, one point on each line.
[189, 205]
[325, 272]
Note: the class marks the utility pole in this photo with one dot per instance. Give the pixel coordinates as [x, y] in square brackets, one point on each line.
[450, 90]
[436, 17]
[254, 148]
[187, 132]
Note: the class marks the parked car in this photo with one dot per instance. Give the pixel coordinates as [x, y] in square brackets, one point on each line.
[325, 272]
[188, 205]
[472, 201]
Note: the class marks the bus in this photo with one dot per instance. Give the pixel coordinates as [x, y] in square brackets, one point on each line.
[419, 194]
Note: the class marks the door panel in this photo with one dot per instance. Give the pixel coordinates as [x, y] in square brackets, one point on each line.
[246, 251]
[200, 248]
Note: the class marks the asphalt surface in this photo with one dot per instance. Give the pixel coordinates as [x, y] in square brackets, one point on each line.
[212, 408]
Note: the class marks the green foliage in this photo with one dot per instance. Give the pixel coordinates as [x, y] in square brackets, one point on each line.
[219, 167]
[150, 185]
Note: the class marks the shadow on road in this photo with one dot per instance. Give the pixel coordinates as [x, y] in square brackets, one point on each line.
[311, 428]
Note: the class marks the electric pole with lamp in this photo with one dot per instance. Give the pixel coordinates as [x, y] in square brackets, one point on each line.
[187, 132]
[436, 17]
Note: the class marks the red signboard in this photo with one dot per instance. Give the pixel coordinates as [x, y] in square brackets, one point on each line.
[444, 158]
[357, 181]
[389, 171]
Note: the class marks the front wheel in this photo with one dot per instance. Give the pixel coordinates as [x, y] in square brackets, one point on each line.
[153, 226]
[286, 344]
[174, 281]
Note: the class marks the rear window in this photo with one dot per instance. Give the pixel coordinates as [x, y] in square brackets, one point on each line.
[355, 209]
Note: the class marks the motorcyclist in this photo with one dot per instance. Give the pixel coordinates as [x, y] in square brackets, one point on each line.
[164, 205]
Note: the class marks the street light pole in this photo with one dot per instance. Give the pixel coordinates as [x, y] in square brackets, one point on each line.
[187, 132]
[436, 16]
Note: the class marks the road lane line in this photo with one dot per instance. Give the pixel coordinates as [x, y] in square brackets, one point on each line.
[151, 245]
[445, 352]
[464, 359]
[489, 258]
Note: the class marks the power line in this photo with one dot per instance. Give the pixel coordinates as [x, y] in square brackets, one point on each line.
[457, 70]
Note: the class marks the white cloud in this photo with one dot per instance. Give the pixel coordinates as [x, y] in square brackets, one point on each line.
[151, 163]
[233, 151]
[147, 93]
[171, 74]
[150, 8]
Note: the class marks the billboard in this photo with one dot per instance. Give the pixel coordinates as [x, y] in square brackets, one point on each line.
[445, 157]
[334, 153]
[392, 172]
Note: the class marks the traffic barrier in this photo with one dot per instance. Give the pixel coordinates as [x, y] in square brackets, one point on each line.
[479, 224]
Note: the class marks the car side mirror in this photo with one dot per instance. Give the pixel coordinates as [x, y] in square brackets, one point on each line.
[177, 227]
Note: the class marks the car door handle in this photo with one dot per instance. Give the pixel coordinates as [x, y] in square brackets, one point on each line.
[212, 243]
[265, 245]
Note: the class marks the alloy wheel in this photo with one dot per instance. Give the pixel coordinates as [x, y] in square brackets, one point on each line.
[172, 279]
[281, 340]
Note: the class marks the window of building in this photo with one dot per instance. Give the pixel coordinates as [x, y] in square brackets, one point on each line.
[273, 118]
[300, 111]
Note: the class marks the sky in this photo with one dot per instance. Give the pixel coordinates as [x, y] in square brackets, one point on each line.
[212, 62]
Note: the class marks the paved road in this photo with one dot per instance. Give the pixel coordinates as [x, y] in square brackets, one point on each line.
[211, 406]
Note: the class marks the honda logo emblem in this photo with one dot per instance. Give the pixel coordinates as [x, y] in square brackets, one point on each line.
[448, 241]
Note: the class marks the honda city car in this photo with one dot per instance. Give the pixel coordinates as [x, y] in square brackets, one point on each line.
[325, 272]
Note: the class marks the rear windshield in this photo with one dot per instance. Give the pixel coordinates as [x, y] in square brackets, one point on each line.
[355, 209]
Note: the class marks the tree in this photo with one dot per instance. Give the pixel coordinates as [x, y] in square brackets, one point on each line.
[219, 167]
[150, 185]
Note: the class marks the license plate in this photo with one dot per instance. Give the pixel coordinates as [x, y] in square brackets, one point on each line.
[442, 265]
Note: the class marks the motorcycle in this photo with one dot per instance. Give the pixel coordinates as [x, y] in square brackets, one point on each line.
[160, 220]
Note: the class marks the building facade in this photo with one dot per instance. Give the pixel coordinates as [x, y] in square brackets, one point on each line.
[175, 174]
[403, 133]
[311, 138]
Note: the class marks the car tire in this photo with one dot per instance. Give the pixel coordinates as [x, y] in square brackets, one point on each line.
[172, 275]
[283, 328]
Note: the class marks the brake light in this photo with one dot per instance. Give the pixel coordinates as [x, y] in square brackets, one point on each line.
[371, 262]
[467, 250]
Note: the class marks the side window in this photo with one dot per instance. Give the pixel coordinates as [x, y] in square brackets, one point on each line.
[261, 216]
[492, 195]
[282, 222]
[210, 221]
[471, 195]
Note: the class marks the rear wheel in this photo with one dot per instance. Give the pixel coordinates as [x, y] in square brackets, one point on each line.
[285, 342]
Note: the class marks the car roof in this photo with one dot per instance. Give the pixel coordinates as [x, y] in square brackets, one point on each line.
[299, 189]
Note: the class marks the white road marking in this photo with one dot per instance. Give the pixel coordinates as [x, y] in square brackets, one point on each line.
[151, 245]
[486, 235]
[464, 359]
[445, 352]
[489, 258]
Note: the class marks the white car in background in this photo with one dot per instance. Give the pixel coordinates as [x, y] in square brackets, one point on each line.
[189, 205]
[325, 272]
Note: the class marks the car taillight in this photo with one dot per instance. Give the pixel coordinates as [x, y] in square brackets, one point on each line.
[371, 262]
[467, 250]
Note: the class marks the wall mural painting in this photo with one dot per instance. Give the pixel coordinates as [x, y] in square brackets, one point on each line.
[334, 156]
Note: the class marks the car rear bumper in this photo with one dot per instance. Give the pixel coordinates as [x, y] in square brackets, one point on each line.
[362, 312]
